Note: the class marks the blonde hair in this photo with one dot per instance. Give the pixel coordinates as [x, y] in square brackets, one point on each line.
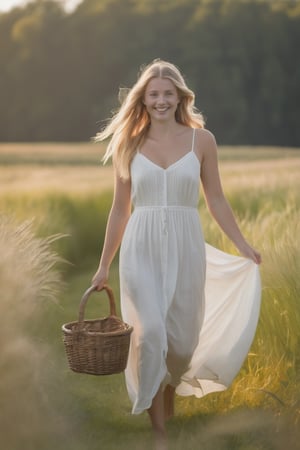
[128, 127]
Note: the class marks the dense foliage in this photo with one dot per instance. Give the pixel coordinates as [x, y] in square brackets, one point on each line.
[60, 72]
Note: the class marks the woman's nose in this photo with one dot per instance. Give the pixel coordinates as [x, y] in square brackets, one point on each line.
[161, 99]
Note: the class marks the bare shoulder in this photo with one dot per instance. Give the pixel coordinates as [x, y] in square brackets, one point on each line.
[205, 143]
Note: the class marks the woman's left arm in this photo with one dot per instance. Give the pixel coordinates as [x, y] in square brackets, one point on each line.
[215, 199]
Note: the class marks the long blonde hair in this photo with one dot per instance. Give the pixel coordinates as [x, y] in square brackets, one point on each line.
[128, 127]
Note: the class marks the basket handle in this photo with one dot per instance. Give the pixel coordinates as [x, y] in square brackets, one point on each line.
[85, 298]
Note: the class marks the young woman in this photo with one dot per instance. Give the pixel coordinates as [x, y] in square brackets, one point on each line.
[194, 309]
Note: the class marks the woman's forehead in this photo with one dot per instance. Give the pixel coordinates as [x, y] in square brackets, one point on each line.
[160, 84]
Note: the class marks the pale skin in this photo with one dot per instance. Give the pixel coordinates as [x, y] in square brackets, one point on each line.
[166, 142]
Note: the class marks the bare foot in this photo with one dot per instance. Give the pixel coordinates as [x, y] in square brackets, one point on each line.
[169, 398]
[157, 417]
[160, 441]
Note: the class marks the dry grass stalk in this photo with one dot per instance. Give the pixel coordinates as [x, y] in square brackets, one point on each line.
[27, 278]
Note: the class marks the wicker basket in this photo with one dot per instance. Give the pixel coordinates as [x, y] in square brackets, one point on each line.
[99, 346]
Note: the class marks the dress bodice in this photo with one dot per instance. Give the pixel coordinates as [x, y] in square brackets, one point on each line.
[178, 185]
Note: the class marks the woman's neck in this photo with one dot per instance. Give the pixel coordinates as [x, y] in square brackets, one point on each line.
[162, 129]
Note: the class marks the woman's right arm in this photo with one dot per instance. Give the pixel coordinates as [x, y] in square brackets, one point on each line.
[117, 220]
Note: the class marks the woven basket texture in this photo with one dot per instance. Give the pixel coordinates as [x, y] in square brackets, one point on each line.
[99, 346]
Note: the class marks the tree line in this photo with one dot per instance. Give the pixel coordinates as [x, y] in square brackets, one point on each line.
[60, 72]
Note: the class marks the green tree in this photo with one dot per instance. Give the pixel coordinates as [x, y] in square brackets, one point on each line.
[60, 72]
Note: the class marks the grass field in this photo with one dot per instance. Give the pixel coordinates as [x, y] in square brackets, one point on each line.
[63, 190]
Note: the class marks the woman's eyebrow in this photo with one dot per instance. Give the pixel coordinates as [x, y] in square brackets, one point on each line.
[156, 90]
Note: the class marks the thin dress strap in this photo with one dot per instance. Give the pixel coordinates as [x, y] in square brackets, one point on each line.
[193, 139]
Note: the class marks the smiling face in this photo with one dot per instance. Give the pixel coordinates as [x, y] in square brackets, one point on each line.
[161, 99]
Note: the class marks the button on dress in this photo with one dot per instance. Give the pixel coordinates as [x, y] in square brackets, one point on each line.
[194, 308]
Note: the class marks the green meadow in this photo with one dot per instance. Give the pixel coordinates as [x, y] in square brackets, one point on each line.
[54, 202]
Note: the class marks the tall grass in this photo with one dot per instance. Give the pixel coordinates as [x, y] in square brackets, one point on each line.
[82, 219]
[270, 375]
[28, 279]
[262, 406]
[266, 200]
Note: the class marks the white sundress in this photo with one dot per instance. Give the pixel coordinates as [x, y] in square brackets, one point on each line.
[194, 308]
